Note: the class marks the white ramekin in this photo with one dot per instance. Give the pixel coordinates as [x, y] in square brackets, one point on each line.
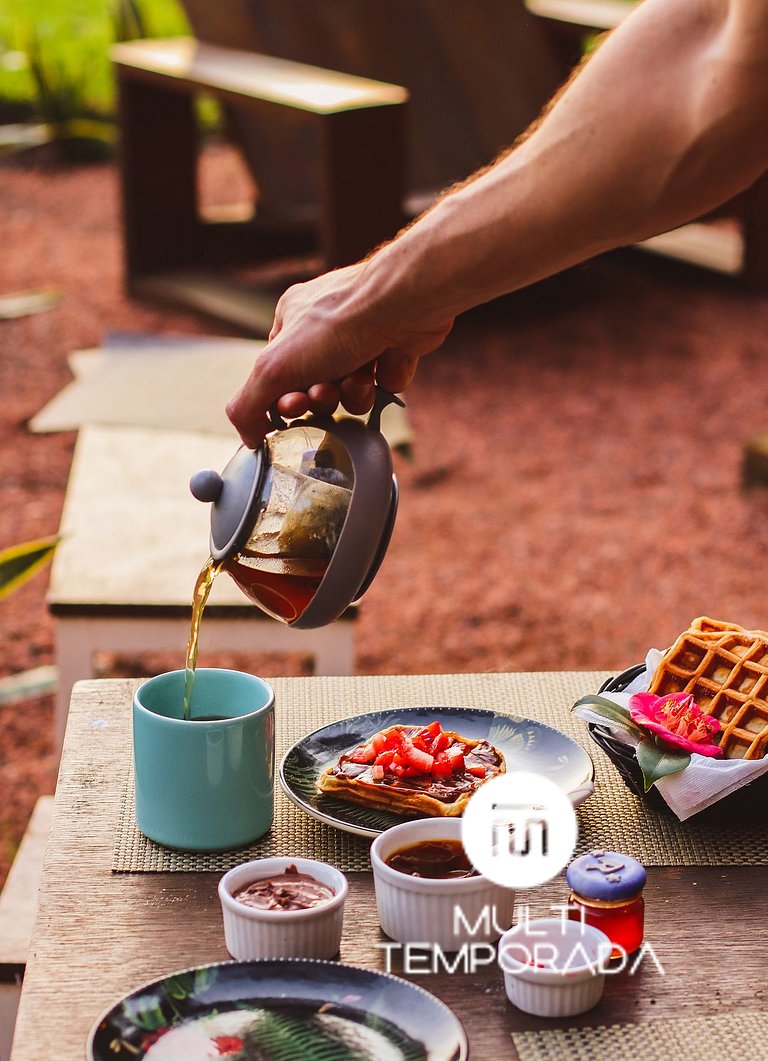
[423, 910]
[574, 957]
[251, 933]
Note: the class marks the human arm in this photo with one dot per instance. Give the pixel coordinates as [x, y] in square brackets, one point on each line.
[663, 123]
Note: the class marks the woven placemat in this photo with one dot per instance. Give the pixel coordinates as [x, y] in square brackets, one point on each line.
[687, 1039]
[612, 818]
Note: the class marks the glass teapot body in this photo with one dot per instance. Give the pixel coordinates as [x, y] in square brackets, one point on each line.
[302, 524]
[300, 512]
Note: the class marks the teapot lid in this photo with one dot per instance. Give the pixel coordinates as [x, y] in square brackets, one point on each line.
[234, 495]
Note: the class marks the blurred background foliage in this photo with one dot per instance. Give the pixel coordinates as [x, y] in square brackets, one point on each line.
[55, 69]
[71, 38]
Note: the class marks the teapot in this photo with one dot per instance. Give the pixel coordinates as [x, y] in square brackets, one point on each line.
[302, 523]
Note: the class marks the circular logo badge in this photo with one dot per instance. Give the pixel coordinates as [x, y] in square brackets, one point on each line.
[519, 830]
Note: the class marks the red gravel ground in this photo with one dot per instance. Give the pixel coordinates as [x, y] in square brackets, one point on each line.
[575, 494]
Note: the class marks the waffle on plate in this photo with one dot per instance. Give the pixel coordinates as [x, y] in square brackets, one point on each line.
[420, 770]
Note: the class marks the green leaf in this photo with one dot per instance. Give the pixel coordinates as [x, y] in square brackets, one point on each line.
[609, 710]
[180, 987]
[145, 1012]
[657, 761]
[20, 562]
[333, 1033]
[86, 129]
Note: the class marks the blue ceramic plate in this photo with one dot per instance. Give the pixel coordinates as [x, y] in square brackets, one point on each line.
[525, 744]
[278, 1010]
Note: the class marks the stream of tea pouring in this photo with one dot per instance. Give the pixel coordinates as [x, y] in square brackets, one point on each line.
[283, 596]
[200, 596]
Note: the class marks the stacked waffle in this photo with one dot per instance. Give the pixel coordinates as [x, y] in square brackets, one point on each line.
[725, 668]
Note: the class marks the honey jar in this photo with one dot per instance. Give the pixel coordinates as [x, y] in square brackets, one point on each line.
[607, 892]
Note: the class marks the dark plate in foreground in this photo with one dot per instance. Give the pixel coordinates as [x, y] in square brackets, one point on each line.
[278, 1010]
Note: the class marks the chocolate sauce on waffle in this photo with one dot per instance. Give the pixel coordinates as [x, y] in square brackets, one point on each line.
[447, 790]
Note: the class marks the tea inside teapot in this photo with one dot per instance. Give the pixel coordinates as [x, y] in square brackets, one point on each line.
[300, 515]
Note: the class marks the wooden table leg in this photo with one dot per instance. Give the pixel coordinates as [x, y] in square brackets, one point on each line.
[158, 172]
[754, 205]
[363, 178]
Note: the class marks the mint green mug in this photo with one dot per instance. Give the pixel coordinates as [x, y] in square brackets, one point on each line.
[205, 783]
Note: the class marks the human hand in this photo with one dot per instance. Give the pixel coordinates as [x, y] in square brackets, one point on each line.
[333, 338]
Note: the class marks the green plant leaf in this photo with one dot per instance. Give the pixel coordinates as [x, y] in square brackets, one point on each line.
[103, 131]
[657, 761]
[180, 987]
[20, 562]
[330, 1034]
[609, 710]
[145, 1012]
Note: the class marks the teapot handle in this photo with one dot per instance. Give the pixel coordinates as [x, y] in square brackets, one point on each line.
[381, 401]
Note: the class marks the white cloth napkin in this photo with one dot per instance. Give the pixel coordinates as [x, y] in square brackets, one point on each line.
[702, 783]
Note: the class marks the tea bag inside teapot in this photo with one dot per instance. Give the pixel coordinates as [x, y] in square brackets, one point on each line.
[307, 503]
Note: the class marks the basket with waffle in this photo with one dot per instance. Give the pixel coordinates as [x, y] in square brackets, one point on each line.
[688, 730]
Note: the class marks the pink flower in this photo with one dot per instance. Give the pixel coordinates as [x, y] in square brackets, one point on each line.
[676, 720]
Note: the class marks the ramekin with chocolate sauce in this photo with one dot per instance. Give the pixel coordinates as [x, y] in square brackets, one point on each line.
[283, 908]
[446, 911]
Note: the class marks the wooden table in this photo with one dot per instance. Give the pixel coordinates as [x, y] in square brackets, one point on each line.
[99, 935]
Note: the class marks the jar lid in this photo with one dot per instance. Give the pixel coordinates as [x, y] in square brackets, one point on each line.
[606, 875]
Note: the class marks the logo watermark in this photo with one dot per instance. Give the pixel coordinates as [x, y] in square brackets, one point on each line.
[519, 830]
[535, 946]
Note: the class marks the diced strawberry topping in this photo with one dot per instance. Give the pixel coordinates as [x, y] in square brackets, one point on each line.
[441, 766]
[455, 756]
[424, 752]
[440, 743]
[419, 760]
[422, 743]
[428, 733]
[379, 742]
[365, 753]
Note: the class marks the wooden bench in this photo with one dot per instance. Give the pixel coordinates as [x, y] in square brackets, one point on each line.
[134, 540]
[734, 239]
[173, 254]
[18, 907]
